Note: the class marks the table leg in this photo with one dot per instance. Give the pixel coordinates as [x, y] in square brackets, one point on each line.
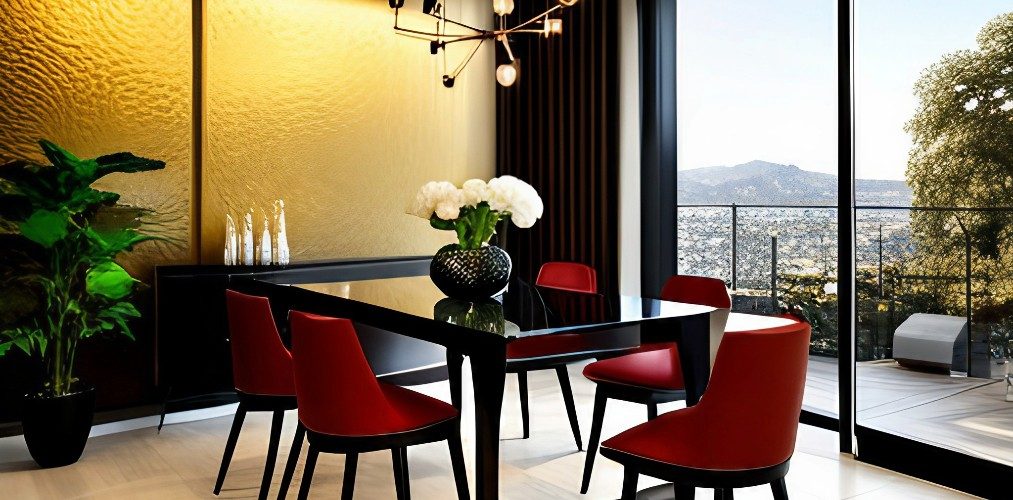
[488, 373]
[454, 362]
[694, 354]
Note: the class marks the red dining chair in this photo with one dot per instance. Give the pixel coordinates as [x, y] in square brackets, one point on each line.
[652, 374]
[552, 351]
[343, 408]
[262, 376]
[740, 434]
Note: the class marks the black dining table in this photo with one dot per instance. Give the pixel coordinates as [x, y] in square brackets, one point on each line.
[601, 325]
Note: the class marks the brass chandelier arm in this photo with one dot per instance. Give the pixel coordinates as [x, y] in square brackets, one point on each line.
[533, 19]
[457, 23]
[437, 36]
[460, 67]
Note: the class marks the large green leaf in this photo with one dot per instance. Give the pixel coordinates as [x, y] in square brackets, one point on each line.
[45, 227]
[83, 170]
[85, 198]
[127, 163]
[109, 280]
[110, 243]
[117, 316]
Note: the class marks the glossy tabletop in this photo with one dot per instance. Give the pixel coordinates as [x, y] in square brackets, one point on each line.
[516, 313]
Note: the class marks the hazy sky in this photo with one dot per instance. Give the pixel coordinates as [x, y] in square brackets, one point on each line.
[758, 78]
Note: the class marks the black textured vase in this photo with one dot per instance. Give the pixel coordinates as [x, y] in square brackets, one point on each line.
[56, 428]
[470, 274]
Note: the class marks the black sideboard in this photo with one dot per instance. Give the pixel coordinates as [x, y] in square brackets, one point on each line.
[193, 366]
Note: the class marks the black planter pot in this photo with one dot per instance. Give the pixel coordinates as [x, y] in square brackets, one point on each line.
[56, 428]
[471, 274]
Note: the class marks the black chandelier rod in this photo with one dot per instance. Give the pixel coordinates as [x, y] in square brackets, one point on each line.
[481, 34]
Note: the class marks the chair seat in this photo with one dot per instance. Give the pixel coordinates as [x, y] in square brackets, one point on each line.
[537, 346]
[653, 366]
[680, 439]
[409, 411]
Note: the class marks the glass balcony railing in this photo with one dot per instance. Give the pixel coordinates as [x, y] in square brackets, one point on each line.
[947, 261]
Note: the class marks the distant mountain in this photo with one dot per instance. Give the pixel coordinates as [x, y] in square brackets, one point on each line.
[765, 183]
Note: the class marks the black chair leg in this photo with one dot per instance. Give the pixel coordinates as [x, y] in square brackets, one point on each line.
[685, 492]
[592, 441]
[571, 409]
[272, 452]
[230, 447]
[522, 388]
[780, 489]
[724, 494]
[652, 411]
[293, 460]
[348, 482]
[399, 457]
[307, 474]
[457, 462]
[630, 477]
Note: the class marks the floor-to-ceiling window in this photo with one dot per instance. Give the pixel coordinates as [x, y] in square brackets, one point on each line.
[758, 162]
[933, 84]
[925, 153]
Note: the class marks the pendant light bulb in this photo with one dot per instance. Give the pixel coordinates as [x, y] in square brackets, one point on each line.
[502, 7]
[552, 26]
[506, 74]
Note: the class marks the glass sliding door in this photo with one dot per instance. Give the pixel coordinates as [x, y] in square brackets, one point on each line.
[758, 163]
[933, 87]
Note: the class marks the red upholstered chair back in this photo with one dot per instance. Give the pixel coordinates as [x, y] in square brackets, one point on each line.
[754, 398]
[568, 276]
[698, 290]
[335, 387]
[793, 316]
[260, 362]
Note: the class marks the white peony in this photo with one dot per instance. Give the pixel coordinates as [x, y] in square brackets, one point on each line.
[449, 208]
[475, 191]
[506, 194]
[443, 198]
[510, 194]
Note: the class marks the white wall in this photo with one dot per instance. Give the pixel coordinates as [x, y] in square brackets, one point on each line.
[629, 149]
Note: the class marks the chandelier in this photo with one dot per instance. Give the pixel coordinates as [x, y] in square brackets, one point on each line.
[449, 31]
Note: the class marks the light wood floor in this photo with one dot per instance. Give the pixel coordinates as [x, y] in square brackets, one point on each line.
[182, 461]
[964, 414]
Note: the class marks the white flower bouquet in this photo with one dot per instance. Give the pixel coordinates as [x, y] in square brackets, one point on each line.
[474, 209]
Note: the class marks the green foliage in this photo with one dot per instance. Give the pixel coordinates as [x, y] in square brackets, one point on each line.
[804, 295]
[109, 280]
[45, 227]
[963, 128]
[60, 281]
[963, 150]
[474, 227]
[962, 157]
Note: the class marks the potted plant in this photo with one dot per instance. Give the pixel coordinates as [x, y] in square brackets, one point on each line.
[471, 269]
[61, 284]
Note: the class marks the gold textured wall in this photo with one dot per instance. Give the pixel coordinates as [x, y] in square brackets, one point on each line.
[103, 76]
[317, 102]
[320, 103]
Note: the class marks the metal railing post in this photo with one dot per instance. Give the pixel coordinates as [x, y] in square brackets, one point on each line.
[880, 262]
[773, 273]
[735, 247]
[967, 293]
